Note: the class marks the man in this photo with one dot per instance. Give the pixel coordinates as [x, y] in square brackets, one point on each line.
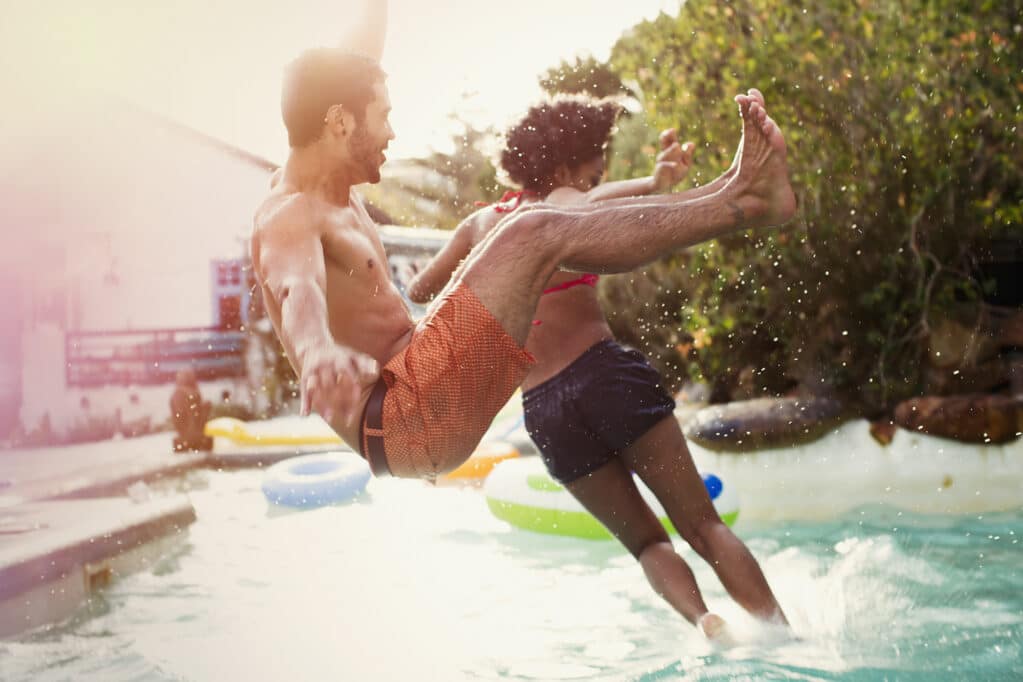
[189, 413]
[415, 398]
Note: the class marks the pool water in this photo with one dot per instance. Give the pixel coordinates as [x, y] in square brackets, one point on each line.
[412, 582]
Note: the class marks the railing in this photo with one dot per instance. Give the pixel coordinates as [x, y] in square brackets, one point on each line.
[412, 242]
[152, 356]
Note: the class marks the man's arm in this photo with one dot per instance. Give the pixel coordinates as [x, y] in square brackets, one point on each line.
[432, 278]
[294, 273]
[366, 35]
[292, 267]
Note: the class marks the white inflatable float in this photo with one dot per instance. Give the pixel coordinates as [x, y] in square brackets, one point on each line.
[521, 492]
[847, 468]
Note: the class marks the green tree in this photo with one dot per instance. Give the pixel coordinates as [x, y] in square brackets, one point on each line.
[584, 76]
[903, 122]
[439, 190]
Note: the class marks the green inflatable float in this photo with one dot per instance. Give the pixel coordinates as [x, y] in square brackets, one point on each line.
[521, 492]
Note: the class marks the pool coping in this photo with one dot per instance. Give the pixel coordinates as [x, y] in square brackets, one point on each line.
[76, 547]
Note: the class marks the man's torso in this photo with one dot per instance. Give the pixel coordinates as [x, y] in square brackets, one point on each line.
[364, 308]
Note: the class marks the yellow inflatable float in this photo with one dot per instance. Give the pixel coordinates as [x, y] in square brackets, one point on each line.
[281, 431]
[313, 431]
[486, 457]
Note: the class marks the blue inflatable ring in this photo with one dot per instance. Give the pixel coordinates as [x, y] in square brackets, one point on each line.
[316, 480]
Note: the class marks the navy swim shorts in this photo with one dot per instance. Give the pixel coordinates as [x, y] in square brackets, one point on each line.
[593, 409]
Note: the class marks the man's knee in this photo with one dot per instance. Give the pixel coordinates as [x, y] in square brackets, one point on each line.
[526, 232]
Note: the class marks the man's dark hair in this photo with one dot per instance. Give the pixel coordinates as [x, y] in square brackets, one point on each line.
[568, 130]
[317, 80]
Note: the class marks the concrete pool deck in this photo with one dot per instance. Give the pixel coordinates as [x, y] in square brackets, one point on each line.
[67, 526]
[54, 554]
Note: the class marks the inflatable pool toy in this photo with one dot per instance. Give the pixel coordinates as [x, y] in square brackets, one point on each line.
[316, 480]
[283, 431]
[521, 492]
[482, 461]
[296, 431]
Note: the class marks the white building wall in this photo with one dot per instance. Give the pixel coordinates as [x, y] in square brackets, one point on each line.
[119, 214]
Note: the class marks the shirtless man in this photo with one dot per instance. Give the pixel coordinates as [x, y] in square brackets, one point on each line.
[416, 398]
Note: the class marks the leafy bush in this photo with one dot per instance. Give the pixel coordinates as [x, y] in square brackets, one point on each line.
[903, 123]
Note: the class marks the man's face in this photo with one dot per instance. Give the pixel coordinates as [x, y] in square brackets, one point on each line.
[370, 138]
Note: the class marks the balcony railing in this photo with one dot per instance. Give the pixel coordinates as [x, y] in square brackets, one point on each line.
[152, 356]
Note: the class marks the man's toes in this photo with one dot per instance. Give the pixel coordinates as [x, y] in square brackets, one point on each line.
[758, 113]
[757, 95]
[752, 110]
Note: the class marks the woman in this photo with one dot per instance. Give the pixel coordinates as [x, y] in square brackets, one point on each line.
[597, 411]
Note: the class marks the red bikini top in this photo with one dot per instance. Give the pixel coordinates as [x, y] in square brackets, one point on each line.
[510, 200]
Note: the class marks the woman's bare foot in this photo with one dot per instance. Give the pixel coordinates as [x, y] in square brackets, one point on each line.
[763, 194]
[714, 628]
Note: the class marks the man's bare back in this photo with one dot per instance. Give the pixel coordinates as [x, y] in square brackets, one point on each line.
[364, 310]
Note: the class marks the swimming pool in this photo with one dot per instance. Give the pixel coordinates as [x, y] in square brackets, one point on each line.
[418, 583]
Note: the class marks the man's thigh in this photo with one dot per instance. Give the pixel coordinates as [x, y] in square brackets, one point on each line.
[507, 273]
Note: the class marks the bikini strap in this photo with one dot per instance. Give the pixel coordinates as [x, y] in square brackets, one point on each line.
[510, 201]
[589, 279]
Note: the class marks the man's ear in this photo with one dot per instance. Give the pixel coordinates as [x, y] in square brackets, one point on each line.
[336, 119]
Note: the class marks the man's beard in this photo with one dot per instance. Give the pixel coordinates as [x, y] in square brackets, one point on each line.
[365, 156]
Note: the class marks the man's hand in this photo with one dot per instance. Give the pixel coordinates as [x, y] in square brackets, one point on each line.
[673, 162]
[332, 380]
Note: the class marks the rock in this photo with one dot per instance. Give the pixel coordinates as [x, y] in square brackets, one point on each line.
[764, 423]
[974, 418]
[883, 431]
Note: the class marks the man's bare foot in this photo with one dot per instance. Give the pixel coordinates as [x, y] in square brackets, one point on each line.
[714, 628]
[722, 180]
[764, 196]
[758, 97]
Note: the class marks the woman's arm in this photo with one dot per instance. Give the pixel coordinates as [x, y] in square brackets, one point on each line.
[671, 166]
[429, 281]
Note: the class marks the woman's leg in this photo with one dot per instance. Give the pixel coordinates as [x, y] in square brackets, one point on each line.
[662, 460]
[610, 494]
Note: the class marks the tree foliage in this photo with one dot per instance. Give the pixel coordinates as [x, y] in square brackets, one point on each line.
[584, 76]
[903, 121]
[440, 189]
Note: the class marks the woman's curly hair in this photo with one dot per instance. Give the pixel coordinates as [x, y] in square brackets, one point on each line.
[567, 130]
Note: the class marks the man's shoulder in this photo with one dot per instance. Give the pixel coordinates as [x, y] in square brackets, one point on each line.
[298, 214]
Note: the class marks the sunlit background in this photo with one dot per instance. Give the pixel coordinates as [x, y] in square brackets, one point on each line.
[216, 66]
[139, 137]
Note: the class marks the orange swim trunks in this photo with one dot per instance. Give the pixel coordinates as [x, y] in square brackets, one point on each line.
[437, 397]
